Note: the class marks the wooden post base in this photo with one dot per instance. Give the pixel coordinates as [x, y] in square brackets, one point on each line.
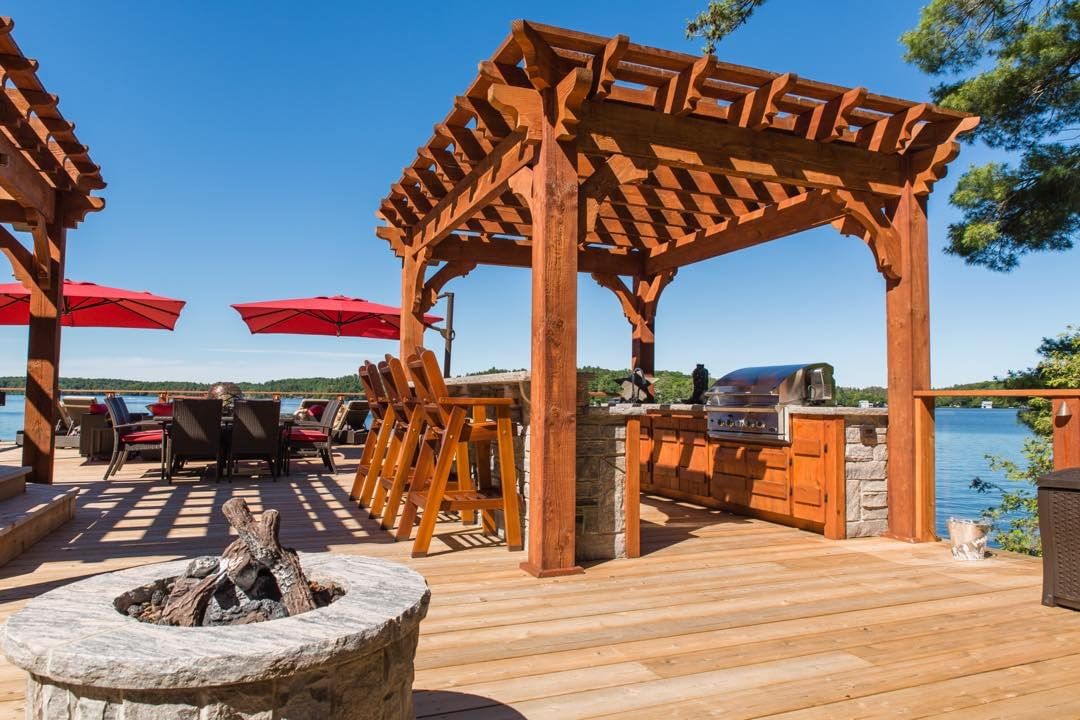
[551, 572]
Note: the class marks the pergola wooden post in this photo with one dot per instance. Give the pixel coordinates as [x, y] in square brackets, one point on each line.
[46, 177]
[574, 153]
[907, 309]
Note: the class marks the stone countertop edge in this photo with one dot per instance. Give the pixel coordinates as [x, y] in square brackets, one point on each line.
[632, 409]
[75, 634]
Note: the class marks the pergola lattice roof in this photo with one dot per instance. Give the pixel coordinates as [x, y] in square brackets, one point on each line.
[38, 144]
[686, 156]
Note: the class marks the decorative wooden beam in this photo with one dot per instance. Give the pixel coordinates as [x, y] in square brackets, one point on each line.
[518, 253]
[490, 123]
[639, 305]
[485, 182]
[522, 106]
[22, 260]
[607, 64]
[811, 209]
[543, 67]
[712, 147]
[931, 164]
[892, 134]
[429, 294]
[23, 182]
[394, 236]
[618, 170]
[829, 121]
[685, 90]
[865, 217]
[570, 94]
[757, 108]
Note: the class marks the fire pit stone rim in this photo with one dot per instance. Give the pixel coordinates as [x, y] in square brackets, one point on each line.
[75, 635]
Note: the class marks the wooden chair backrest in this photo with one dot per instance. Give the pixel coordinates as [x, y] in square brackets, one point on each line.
[401, 380]
[437, 414]
[386, 378]
[433, 372]
[369, 379]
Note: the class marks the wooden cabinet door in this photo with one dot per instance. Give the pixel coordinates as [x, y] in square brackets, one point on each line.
[809, 464]
[693, 468]
[767, 469]
[664, 457]
[728, 482]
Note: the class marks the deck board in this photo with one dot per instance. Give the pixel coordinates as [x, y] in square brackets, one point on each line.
[722, 616]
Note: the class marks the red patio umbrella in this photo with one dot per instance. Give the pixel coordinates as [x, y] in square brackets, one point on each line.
[88, 304]
[337, 315]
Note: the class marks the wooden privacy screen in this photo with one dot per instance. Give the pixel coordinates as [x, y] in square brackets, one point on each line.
[575, 153]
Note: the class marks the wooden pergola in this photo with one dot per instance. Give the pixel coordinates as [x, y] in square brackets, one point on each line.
[46, 181]
[576, 153]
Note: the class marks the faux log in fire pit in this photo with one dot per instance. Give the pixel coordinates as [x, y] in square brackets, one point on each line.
[352, 658]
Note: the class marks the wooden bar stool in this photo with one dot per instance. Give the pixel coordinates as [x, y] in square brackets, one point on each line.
[378, 438]
[403, 445]
[449, 432]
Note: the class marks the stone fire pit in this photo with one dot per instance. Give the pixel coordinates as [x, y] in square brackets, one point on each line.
[351, 659]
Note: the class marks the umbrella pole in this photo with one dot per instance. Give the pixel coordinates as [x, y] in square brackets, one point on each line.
[448, 332]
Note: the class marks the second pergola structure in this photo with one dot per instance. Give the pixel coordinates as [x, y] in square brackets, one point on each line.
[577, 153]
[46, 183]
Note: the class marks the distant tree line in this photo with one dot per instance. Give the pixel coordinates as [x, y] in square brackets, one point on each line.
[671, 386]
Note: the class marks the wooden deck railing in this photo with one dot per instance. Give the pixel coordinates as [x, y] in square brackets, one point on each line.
[186, 392]
[1066, 415]
[1066, 410]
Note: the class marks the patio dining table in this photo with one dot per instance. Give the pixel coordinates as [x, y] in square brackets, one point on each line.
[286, 421]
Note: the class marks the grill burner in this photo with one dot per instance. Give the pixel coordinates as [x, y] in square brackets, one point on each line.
[753, 402]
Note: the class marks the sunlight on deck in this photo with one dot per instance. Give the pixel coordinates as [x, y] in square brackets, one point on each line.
[723, 616]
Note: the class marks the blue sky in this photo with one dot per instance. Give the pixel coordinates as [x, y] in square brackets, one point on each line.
[246, 146]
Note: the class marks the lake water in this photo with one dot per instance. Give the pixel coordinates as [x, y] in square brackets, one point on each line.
[964, 438]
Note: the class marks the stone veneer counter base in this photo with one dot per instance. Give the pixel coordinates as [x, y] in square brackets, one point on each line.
[351, 659]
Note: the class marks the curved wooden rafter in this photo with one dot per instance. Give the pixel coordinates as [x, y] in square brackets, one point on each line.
[430, 291]
[865, 217]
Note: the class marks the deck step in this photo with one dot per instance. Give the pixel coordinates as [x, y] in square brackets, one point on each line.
[31, 515]
[12, 481]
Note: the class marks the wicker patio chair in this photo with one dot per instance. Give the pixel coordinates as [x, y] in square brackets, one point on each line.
[194, 434]
[131, 435]
[255, 434]
[318, 437]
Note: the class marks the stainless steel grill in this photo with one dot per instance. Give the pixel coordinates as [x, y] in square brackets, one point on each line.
[753, 402]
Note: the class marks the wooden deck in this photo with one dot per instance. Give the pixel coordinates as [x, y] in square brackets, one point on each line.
[722, 616]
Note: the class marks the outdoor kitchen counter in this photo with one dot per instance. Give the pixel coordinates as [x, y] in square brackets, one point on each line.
[830, 478]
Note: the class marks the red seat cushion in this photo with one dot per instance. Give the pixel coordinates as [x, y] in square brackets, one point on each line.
[142, 437]
[302, 435]
[97, 408]
[159, 409]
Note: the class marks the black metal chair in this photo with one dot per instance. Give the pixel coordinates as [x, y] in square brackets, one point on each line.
[195, 434]
[255, 434]
[131, 434]
[319, 437]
